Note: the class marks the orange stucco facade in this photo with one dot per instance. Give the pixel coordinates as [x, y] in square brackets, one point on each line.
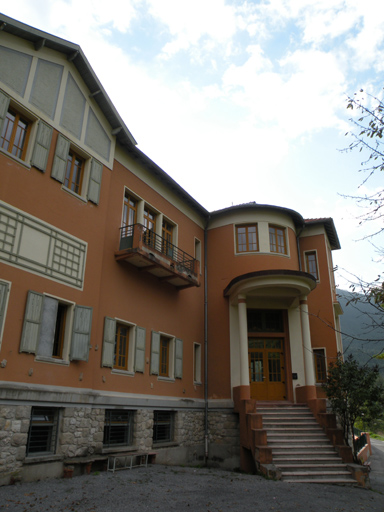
[145, 324]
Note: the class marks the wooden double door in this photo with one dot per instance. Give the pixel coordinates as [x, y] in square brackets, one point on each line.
[266, 368]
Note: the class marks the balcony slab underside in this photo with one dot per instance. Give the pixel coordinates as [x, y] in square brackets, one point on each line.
[158, 265]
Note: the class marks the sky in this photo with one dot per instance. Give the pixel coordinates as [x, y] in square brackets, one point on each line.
[239, 100]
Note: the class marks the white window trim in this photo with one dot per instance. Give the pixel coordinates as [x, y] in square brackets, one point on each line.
[32, 136]
[130, 371]
[171, 358]
[279, 226]
[317, 264]
[141, 205]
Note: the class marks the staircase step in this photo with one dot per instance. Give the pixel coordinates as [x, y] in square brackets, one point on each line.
[332, 481]
[312, 467]
[317, 474]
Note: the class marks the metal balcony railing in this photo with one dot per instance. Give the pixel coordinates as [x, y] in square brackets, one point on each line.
[133, 235]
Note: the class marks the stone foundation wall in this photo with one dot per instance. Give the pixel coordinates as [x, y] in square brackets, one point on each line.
[14, 426]
[81, 430]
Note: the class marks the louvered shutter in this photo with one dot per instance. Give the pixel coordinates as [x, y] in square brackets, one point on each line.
[42, 145]
[81, 333]
[60, 160]
[178, 358]
[95, 181]
[4, 104]
[155, 353]
[108, 355]
[4, 287]
[32, 320]
[140, 349]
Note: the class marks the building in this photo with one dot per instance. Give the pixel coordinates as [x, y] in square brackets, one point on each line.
[130, 316]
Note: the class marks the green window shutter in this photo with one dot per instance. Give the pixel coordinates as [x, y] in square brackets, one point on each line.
[95, 181]
[32, 320]
[4, 104]
[108, 355]
[4, 289]
[81, 333]
[140, 349]
[59, 165]
[42, 145]
[178, 359]
[155, 353]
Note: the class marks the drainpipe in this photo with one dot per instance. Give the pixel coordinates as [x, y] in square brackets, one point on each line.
[206, 342]
[298, 247]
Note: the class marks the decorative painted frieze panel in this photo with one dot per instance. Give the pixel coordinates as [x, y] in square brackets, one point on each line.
[34, 245]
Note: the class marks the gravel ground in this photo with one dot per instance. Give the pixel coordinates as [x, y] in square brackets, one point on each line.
[178, 488]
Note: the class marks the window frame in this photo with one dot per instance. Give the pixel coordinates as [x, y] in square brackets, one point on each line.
[76, 336]
[173, 353]
[52, 434]
[109, 423]
[316, 263]
[283, 230]
[136, 346]
[19, 117]
[163, 419]
[319, 354]
[248, 241]
[73, 180]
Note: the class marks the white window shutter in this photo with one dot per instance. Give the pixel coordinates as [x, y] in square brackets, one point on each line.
[140, 350]
[95, 181]
[4, 288]
[60, 160]
[42, 145]
[178, 359]
[47, 327]
[32, 320]
[108, 355]
[4, 104]
[81, 333]
[155, 353]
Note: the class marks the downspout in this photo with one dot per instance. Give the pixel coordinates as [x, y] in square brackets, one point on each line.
[206, 342]
[298, 247]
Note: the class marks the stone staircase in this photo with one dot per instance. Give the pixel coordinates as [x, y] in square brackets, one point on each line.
[300, 448]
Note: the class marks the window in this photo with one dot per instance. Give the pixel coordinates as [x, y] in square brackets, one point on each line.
[123, 346]
[15, 134]
[167, 233]
[118, 428]
[74, 173]
[311, 264]
[42, 433]
[247, 238]
[150, 227]
[163, 427]
[129, 212]
[166, 356]
[55, 329]
[277, 242]
[320, 364]
[197, 363]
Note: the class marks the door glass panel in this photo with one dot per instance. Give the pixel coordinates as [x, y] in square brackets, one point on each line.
[255, 343]
[274, 367]
[273, 344]
[257, 370]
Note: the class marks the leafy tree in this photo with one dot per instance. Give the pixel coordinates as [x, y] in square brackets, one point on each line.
[354, 391]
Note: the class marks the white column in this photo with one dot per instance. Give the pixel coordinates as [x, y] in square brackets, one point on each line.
[307, 346]
[243, 341]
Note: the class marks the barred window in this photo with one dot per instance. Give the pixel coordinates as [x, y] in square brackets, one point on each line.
[163, 426]
[118, 427]
[42, 433]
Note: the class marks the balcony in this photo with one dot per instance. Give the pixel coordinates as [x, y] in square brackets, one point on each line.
[152, 253]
